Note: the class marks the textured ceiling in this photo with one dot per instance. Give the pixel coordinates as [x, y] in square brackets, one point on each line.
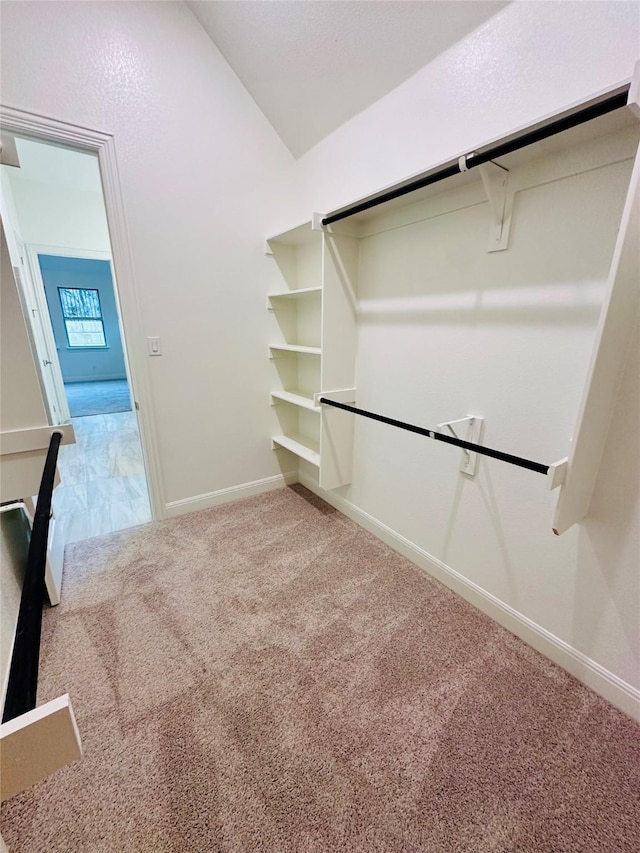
[311, 65]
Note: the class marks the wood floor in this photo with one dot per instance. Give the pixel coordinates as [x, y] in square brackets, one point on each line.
[103, 486]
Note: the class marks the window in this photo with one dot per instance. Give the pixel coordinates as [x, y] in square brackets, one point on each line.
[82, 317]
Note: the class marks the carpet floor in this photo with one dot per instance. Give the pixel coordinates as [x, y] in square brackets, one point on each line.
[267, 676]
[98, 398]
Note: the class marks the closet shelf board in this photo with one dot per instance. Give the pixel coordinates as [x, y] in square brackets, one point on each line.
[296, 398]
[295, 348]
[293, 294]
[303, 446]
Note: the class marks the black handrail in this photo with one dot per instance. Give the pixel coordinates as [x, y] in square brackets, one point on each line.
[538, 467]
[600, 108]
[22, 686]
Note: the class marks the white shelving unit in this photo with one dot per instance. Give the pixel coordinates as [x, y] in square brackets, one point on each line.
[316, 312]
[313, 350]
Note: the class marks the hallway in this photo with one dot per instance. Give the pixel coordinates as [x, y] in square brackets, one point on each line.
[103, 486]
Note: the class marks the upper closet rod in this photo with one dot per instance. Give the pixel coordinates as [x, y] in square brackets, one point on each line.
[538, 467]
[467, 162]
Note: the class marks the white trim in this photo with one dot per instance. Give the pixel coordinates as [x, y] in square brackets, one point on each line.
[602, 681]
[103, 144]
[234, 493]
[67, 252]
[33, 438]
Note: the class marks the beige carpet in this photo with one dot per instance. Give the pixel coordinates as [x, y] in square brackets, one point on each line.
[266, 676]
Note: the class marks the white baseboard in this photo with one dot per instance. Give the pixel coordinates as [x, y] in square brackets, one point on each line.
[602, 681]
[234, 493]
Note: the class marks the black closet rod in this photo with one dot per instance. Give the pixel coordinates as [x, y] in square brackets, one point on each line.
[608, 105]
[429, 433]
[23, 674]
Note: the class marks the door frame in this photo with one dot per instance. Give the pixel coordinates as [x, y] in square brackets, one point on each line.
[37, 320]
[45, 129]
[43, 319]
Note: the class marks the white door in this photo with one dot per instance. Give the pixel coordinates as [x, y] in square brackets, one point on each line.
[34, 306]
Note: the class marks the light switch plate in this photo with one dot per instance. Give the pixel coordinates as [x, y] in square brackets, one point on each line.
[153, 345]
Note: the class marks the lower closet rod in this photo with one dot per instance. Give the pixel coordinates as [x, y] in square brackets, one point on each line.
[429, 433]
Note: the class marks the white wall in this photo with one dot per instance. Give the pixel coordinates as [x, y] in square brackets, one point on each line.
[64, 217]
[529, 61]
[201, 172]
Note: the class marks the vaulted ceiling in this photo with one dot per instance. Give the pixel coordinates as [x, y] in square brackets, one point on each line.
[311, 65]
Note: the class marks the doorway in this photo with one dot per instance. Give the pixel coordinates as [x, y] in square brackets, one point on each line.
[82, 308]
[54, 206]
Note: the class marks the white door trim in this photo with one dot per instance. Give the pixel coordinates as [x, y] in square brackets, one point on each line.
[69, 252]
[103, 144]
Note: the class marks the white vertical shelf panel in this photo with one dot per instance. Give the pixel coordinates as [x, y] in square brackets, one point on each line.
[38, 743]
[339, 317]
[336, 448]
[612, 338]
[339, 309]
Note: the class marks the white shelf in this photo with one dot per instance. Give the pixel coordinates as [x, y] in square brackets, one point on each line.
[314, 303]
[296, 398]
[296, 348]
[302, 235]
[303, 446]
[287, 294]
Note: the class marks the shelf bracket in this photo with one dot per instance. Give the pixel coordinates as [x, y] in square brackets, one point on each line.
[465, 429]
[495, 180]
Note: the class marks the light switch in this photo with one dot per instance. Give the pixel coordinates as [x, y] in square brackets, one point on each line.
[153, 345]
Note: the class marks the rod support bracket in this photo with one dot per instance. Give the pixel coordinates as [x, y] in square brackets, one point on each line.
[557, 473]
[465, 429]
[495, 180]
[343, 395]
